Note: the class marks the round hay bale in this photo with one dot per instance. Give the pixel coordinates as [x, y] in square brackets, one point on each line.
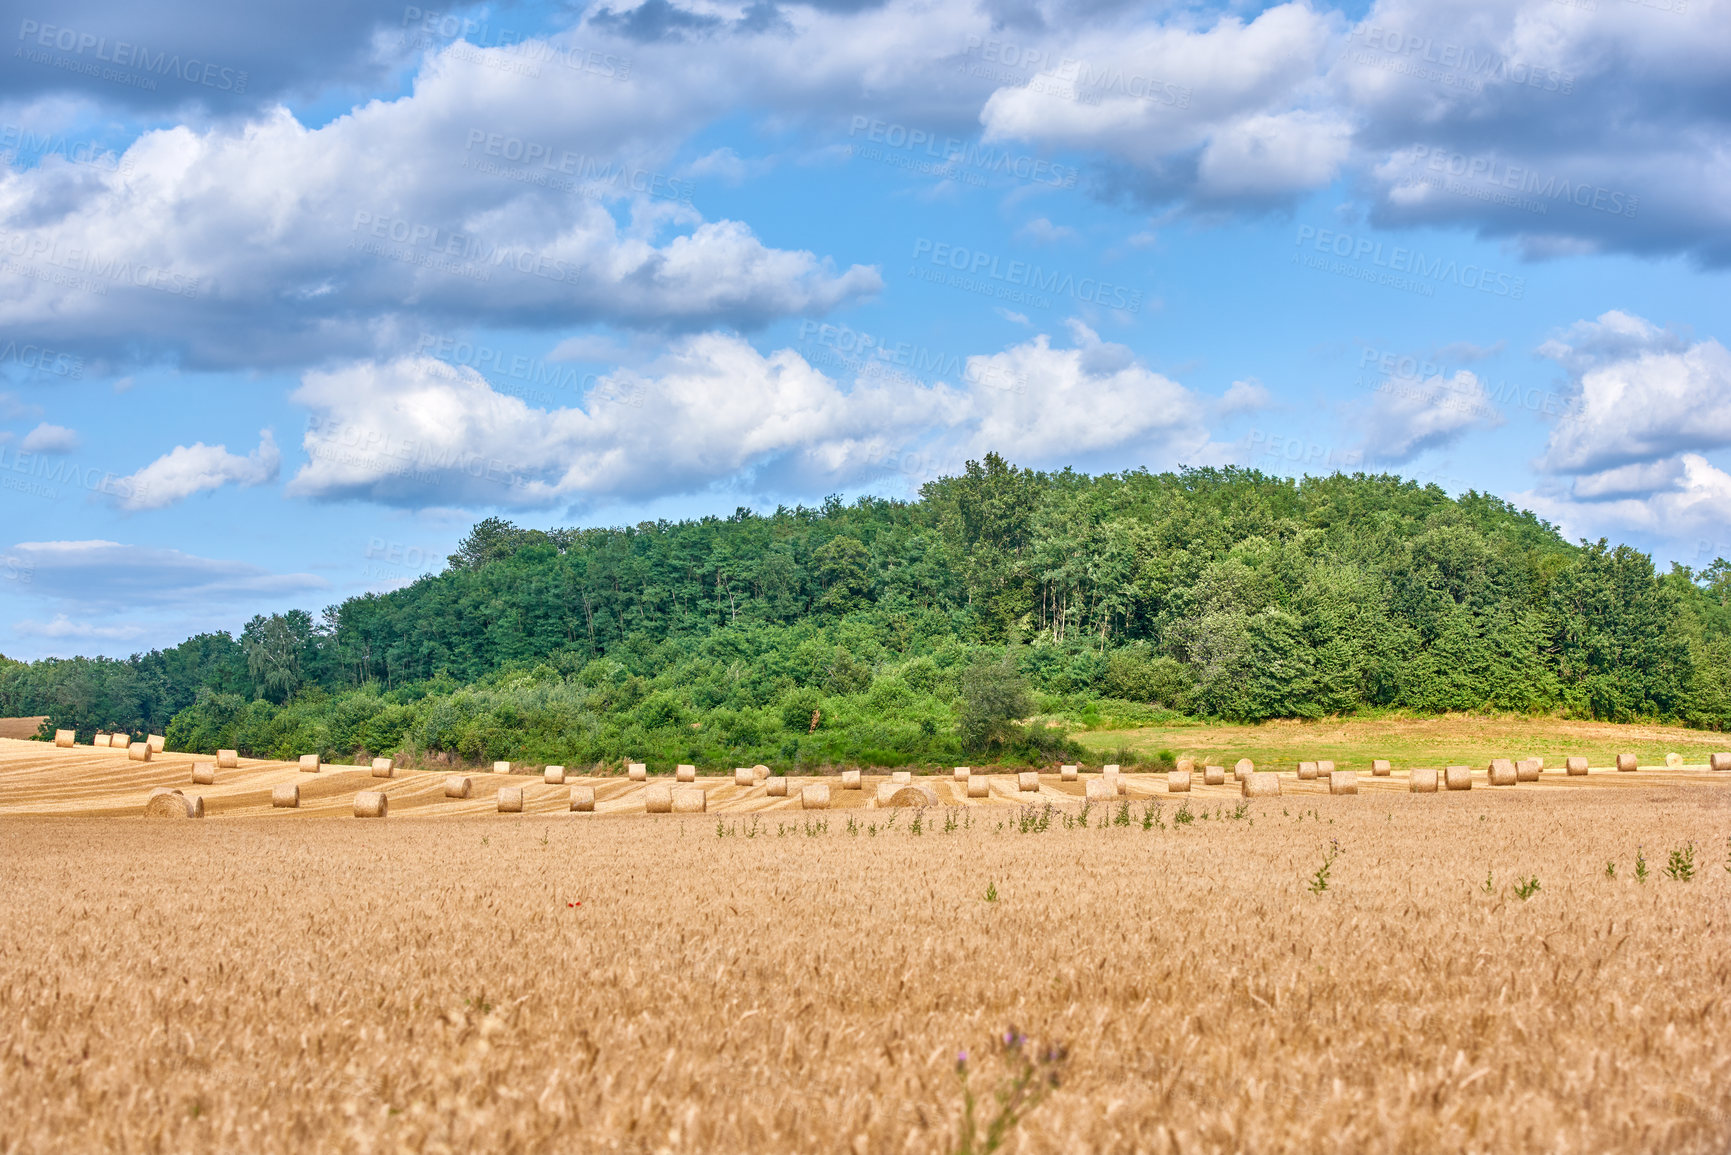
[310, 764]
[658, 799]
[458, 786]
[1626, 762]
[909, 795]
[1244, 767]
[1324, 768]
[637, 772]
[510, 800]
[1381, 767]
[1421, 780]
[553, 775]
[742, 776]
[960, 773]
[1719, 761]
[101, 738]
[1307, 770]
[1534, 758]
[692, 800]
[1575, 766]
[65, 739]
[227, 759]
[815, 797]
[1099, 790]
[1028, 780]
[583, 798]
[979, 786]
[1110, 768]
[759, 772]
[1067, 773]
[1673, 760]
[852, 780]
[1343, 781]
[372, 804]
[1120, 783]
[138, 752]
[119, 741]
[1214, 776]
[285, 797]
[204, 773]
[1188, 764]
[1458, 778]
[1178, 782]
[1527, 770]
[384, 768]
[156, 742]
[775, 786]
[501, 767]
[167, 804]
[1260, 785]
[902, 777]
[1503, 772]
[195, 806]
[155, 790]
[685, 772]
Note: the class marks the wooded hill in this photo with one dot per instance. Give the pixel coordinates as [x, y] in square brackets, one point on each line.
[927, 632]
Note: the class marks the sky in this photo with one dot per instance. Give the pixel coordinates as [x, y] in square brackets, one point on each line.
[291, 295]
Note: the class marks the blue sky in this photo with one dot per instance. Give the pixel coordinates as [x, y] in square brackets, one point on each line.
[292, 296]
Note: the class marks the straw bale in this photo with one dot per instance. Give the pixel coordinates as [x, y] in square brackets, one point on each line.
[852, 780]
[372, 804]
[637, 772]
[1187, 764]
[1673, 759]
[310, 764]
[902, 777]
[1343, 781]
[138, 752]
[775, 786]
[501, 767]
[204, 773]
[167, 804]
[960, 773]
[583, 798]
[1110, 768]
[658, 799]
[1243, 768]
[742, 776]
[1421, 780]
[815, 797]
[1260, 785]
[979, 786]
[759, 772]
[1381, 767]
[1719, 761]
[1214, 775]
[65, 738]
[1178, 782]
[101, 738]
[685, 772]
[1307, 770]
[384, 768]
[156, 742]
[1458, 777]
[227, 759]
[195, 806]
[1625, 762]
[1575, 765]
[119, 741]
[1527, 770]
[1324, 768]
[1028, 780]
[458, 786]
[1503, 773]
[510, 800]
[690, 800]
[1099, 790]
[893, 794]
[1537, 759]
[553, 775]
[286, 796]
[1067, 773]
[155, 790]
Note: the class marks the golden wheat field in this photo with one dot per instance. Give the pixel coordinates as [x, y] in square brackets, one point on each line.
[767, 979]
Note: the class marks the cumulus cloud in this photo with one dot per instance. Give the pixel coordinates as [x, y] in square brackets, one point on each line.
[1409, 415]
[1248, 396]
[46, 438]
[1642, 393]
[416, 432]
[107, 575]
[190, 469]
[63, 628]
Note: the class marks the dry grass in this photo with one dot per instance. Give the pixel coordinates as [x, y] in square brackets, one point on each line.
[581, 982]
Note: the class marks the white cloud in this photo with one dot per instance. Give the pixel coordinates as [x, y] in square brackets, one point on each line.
[190, 469]
[61, 627]
[1643, 393]
[99, 574]
[1409, 415]
[1681, 501]
[1041, 231]
[1248, 396]
[46, 438]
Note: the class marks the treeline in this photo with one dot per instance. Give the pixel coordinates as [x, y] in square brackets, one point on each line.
[890, 632]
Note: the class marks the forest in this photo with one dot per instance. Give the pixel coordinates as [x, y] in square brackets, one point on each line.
[987, 621]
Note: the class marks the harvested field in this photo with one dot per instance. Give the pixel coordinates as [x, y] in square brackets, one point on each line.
[451, 978]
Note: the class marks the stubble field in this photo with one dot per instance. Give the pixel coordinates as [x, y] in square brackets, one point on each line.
[559, 981]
